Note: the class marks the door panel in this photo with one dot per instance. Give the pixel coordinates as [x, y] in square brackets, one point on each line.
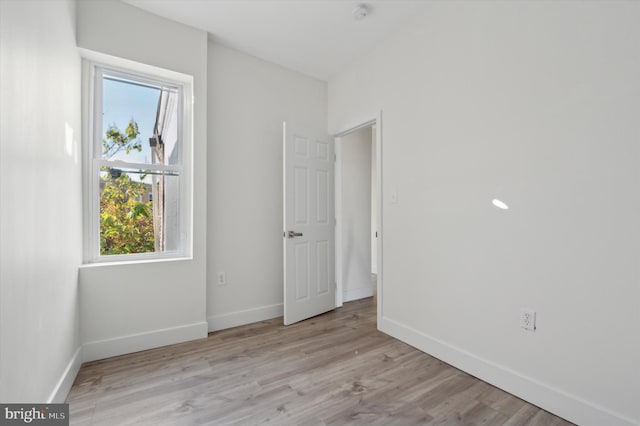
[309, 275]
[323, 268]
[301, 195]
[322, 194]
[302, 270]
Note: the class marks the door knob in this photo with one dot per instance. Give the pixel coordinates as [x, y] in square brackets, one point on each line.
[292, 234]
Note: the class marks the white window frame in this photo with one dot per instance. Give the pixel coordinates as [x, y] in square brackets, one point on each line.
[94, 67]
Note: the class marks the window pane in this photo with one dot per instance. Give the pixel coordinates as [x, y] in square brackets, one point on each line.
[139, 122]
[138, 211]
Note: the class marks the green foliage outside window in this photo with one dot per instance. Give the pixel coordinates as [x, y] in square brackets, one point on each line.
[126, 216]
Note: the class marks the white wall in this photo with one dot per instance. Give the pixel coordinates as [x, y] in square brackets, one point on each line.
[135, 306]
[537, 104]
[248, 100]
[355, 228]
[40, 200]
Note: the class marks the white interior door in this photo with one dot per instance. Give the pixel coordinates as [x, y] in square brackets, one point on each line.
[309, 221]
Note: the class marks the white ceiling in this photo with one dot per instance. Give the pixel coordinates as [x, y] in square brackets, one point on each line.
[314, 37]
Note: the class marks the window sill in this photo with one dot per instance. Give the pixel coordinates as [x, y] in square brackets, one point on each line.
[101, 263]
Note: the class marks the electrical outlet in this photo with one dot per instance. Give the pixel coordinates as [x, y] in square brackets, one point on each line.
[528, 319]
[222, 278]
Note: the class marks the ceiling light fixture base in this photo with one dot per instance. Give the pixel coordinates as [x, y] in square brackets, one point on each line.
[360, 12]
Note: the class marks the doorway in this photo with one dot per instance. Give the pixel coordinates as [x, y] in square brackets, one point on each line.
[358, 213]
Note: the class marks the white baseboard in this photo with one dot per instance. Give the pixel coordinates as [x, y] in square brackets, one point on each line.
[100, 349]
[62, 388]
[248, 316]
[357, 293]
[554, 400]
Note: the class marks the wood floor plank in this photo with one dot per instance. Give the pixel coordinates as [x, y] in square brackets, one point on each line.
[502, 401]
[333, 369]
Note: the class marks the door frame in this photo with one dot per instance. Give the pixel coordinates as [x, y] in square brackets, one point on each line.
[374, 120]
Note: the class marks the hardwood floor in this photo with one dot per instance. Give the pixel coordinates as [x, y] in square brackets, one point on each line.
[333, 369]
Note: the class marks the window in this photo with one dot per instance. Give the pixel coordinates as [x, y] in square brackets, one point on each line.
[137, 172]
